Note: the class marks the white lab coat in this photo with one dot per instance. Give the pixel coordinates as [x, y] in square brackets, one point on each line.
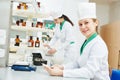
[93, 63]
[65, 36]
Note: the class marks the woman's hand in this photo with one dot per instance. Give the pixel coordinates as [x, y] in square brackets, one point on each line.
[54, 71]
[57, 66]
[51, 51]
[46, 45]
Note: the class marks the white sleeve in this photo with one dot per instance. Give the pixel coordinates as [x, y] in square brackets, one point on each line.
[70, 65]
[88, 71]
[70, 37]
[92, 66]
[63, 46]
[54, 38]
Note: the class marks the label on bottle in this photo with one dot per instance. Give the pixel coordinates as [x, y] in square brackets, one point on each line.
[29, 44]
[37, 44]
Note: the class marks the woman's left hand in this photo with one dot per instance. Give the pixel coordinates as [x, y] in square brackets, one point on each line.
[52, 51]
[54, 71]
[57, 66]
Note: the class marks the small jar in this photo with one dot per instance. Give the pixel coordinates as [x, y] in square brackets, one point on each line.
[38, 3]
[21, 22]
[19, 6]
[17, 40]
[31, 42]
[37, 42]
[25, 7]
[24, 24]
[17, 22]
[39, 24]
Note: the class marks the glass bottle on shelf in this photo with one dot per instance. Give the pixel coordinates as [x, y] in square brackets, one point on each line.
[17, 22]
[21, 21]
[37, 42]
[29, 21]
[31, 42]
[38, 3]
[17, 40]
[39, 25]
[34, 22]
[19, 6]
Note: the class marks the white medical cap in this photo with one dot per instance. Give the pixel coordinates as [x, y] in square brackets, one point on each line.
[37, 0]
[87, 10]
[56, 15]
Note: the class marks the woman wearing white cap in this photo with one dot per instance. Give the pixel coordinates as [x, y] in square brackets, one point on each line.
[93, 60]
[64, 32]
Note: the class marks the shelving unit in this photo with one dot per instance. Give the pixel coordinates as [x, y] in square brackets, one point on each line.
[108, 32]
[23, 49]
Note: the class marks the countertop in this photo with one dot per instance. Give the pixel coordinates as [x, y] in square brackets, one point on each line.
[40, 74]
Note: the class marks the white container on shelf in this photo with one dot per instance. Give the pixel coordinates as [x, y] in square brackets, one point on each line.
[29, 23]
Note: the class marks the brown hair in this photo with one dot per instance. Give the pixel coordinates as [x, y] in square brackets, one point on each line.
[67, 19]
[94, 20]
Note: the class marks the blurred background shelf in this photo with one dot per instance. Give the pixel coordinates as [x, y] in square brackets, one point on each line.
[28, 13]
[26, 1]
[29, 28]
[13, 49]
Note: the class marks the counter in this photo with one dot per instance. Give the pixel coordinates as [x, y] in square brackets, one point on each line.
[39, 74]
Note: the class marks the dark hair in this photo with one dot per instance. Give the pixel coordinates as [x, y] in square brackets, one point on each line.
[67, 19]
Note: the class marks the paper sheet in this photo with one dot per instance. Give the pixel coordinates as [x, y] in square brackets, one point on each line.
[2, 52]
[2, 36]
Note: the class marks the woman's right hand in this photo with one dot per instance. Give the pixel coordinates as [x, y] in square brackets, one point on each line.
[51, 51]
[46, 45]
[54, 71]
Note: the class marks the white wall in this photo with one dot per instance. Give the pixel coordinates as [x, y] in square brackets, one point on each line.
[115, 11]
[5, 24]
[107, 11]
[102, 10]
[103, 13]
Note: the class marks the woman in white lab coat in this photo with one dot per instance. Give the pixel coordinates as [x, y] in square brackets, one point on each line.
[93, 59]
[64, 32]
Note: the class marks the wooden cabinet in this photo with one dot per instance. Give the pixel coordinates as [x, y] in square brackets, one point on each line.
[111, 35]
[119, 61]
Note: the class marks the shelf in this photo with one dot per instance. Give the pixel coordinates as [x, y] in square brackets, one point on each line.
[15, 48]
[28, 13]
[26, 1]
[32, 11]
[27, 28]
